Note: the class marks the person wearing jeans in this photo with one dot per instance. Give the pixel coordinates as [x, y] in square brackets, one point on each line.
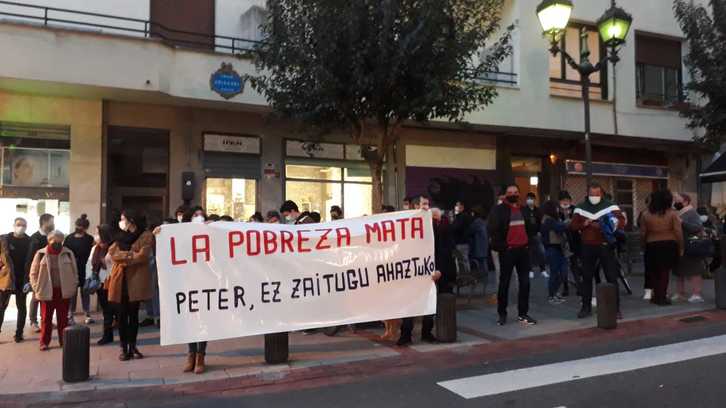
[54, 278]
[597, 219]
[508, 231]
[81, 243]
[553, 237]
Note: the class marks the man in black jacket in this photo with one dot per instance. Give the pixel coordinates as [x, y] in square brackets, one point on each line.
[18, 245]
[533, 215]
[38, 241]
[422, 203]
[507, 228]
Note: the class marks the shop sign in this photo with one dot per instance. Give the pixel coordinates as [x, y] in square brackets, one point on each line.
[226, 81]
[231, 144]
[618, 170]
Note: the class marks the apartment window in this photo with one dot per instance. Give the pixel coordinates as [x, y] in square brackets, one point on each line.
[507, 72]
[658, 71]
[564, 80]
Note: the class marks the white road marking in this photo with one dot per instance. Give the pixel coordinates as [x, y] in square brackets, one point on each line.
[521, 379]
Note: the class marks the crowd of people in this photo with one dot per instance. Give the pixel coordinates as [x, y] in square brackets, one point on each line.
[566, 243]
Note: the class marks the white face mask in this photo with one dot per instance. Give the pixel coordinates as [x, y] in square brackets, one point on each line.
[457, 211]
[289, 219]
[704, 218]
[198, 219]
[595, 200]
[565, 206]
[97, 239]
[123, 225]
[530, 202]
[19, 230]
[180, 218]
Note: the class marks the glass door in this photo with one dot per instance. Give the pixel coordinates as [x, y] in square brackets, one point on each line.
[231, 196]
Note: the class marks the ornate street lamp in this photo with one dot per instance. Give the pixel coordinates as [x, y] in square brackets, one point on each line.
[613, 27]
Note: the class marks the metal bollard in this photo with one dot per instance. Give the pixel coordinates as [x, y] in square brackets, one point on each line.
[76, 353]
[446, 318]
[607, 306]
[277, 348]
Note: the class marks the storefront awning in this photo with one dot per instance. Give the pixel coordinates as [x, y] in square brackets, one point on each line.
[715, 172]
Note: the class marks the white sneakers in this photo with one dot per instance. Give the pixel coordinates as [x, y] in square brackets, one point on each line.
[546, 274]
[648, 294]
[695, 299]
[531, 274]
[594, 302]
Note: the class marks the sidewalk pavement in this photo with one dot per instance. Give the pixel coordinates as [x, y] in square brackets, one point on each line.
[25, 369]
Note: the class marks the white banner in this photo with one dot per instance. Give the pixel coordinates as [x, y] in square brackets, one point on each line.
[225, 279]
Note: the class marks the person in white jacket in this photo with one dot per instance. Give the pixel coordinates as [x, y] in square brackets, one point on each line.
[99, 265]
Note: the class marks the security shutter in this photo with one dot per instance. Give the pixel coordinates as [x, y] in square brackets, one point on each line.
[231, 165]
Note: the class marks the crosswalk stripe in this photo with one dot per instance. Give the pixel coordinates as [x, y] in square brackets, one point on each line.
[524, 378]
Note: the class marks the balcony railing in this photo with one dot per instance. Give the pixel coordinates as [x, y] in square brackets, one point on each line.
[498, 78]
[133, 27]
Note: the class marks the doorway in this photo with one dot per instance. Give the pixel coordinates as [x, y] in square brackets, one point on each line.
[137, 175]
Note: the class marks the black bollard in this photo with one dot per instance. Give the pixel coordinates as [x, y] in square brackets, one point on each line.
[446, 318]
[277, 348]
[607, 306]
[76, 353]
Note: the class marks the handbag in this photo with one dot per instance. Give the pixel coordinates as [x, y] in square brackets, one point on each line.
[697, 247]
[92, 285]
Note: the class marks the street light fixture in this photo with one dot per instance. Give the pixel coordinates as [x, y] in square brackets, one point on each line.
[613, 27]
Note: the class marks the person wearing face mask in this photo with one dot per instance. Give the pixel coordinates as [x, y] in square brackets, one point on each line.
[594, 219]
[130, 278]
[18, 244]
[81, 244]
[38, 241]
[461, 229]
[533, 215]
[180, 213]
[422, 203]
[689, 268]
[273, 217]
[54, 278]
[289, 212]
[99, 265]
[197, 216]
[508, 231]
[573, 244]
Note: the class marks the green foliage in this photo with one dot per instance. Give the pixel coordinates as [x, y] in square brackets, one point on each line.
[341, 64]
[706, 35]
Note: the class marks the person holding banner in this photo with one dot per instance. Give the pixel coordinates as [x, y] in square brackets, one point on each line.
[129, 281]
[422, 203]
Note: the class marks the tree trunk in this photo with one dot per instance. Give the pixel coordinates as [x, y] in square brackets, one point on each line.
[376, 167]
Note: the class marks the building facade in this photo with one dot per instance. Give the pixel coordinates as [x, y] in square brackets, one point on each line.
[140, 103]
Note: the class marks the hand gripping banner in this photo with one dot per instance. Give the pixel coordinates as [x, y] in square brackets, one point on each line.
[226, 279]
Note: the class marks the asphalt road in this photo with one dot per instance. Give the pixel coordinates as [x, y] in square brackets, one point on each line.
[699, 382]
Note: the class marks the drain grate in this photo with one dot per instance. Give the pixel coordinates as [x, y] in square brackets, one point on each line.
[693, 319]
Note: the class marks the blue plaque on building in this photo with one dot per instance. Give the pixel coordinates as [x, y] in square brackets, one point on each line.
[226, 81]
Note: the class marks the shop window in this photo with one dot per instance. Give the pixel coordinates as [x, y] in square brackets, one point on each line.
[317, 188]
[564, 80]
[231, 196]
[34, 175]
[658, 72]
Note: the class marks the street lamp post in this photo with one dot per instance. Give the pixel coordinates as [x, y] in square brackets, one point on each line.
[613, 28]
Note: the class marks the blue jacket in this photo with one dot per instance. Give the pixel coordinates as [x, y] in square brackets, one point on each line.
[478, 239]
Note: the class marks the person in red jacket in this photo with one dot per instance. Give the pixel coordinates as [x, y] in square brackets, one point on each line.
[589, 220]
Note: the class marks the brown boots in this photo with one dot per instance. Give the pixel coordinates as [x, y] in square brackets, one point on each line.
[191, 361]
[199, 368]
[392, 329]
[195, 362]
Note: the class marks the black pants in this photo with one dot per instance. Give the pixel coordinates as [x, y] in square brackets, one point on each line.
[428, 321]
[200, 347]
[108, 313]
[128, 318]
[593, 257]
[508, 260]
[20, 304]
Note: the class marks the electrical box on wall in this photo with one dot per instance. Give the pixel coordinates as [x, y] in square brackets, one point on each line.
[188, 186]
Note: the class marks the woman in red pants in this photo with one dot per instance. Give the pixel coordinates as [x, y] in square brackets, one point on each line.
[54, 279]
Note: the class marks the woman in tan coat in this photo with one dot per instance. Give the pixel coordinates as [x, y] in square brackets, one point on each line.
[129, 280]
[662, 236]
[54, 279]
